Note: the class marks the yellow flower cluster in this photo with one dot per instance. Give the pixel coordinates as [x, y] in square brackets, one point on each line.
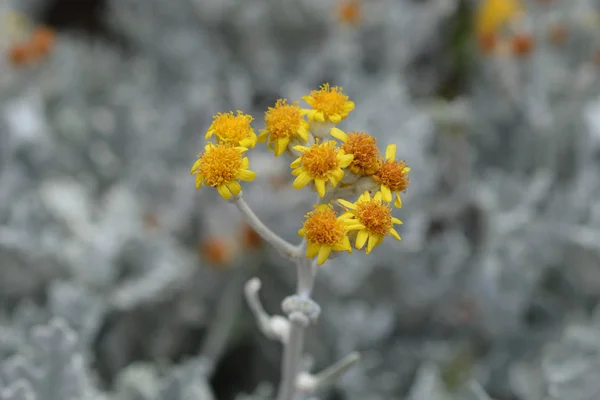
[337, 165]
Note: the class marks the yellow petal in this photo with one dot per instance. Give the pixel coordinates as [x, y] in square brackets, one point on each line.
[303, 131]
[224, 192]
[378, 196]
[365, 196]
[339, 134]
[199, 179]
[195, 166]
[347, 204]
[335, 118]
[263, 136]
[245, 163]
[361, 239]
[301, 232]
[349, 106]
[373, 241]
[390, 152]
[320, 185]
[386, 193]
[281, 146]
[322, 207]
[396, 221]
[300, 148]
[302, 180]
[405, 170]
[319, 116]
[356, 226]
[298, 171]
[394, 233]
[296, 163]
[345, 160]
[246, 175]
[209, 133]
[234, 187]
[312, 249]
[338, 174]
[398, 201]
[247, 143]
[324, 252]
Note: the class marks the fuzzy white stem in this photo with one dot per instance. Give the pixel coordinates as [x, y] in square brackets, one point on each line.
[285, 248]
[311, 383]
[274, 327]
[292, 353]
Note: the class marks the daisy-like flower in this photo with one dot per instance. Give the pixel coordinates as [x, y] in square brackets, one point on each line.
[233, 129]
[320, 163]
[371, 218]
[364, 149]
[328, 104]
[222, 166]
[392, 176]
[324, 232]
[284, 123]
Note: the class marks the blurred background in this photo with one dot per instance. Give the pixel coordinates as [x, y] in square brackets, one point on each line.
[118, 280]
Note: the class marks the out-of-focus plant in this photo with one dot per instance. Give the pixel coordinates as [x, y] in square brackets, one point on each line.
[356, 190]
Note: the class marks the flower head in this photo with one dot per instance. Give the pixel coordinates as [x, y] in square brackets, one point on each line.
[324, 232]
[364, 149]
[320, 163]
[328, 104]
[372, 220]
[283, 123]
[392, 176]
[493, 14]
[222, 166]
[233, 129]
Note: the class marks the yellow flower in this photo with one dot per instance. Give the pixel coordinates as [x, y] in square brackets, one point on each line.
[328, 104]
[392, 176]
[320, 163]
[371, 218]
[324, 232]
[222, 166]
[364, 149]
[233, 129]
[493, 14]
[283, 123]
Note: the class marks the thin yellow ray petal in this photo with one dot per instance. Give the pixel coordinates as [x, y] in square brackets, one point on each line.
[378, 196]
[347, 204]
[396, 221]
[199, 180]
[372, 242]
[323, 254]
[361, 239]
[224, 192]
[302, 180]
[312, 249]
[339, 134]
[296, 163]
[395, 234]
[246, 175]
[195, 166]
[320, 185]
[390, 152]
[245, 163]
[335, 118]
[386, 194]
[398, 201]
[234, 187]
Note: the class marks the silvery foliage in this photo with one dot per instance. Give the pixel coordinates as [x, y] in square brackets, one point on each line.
[500, 222]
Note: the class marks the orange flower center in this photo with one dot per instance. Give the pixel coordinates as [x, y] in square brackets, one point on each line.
[328, 100]
[220, 165]
[232, 128]
[393, 175]
[320, 159]
[375, 216]
[365, 151]
[283, 120]
[322, 227]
